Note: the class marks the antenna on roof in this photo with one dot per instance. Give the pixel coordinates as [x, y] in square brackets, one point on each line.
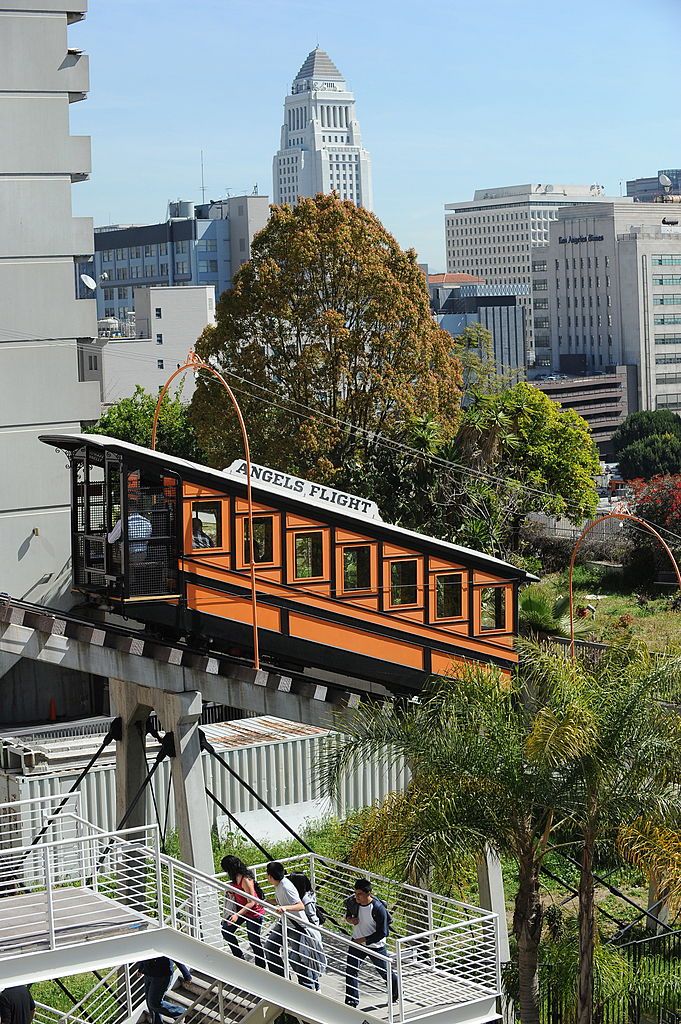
[203, 184]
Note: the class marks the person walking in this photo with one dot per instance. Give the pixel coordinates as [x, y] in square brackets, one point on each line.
[158, 973]
[243, 908]
[311, 961]
[16, 1005]
[288, 902]
[370, 922]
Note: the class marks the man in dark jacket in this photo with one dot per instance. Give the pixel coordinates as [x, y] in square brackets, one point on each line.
[370, 922]
[16, 1005]
[158, 974]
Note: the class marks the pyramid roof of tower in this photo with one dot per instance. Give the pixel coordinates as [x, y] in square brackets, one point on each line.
[318, 64]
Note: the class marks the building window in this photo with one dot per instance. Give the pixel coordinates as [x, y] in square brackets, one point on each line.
[150, 270]
[493, 608]
[159, 339]
[163, 248]
[208, 266]
[163, 270]
[403, 582]
[121, 273]
[207, 245]
[181, 267]
[673, 299]
[309, 552]
[149, 250]
[263, 539]
[242, 245]
[448, 596]
[206, 524]
[121, 254]
[539, 266]
[159, 364]
[109, 311]
[157, 312]
[135, 252]
[357, 568]
[108, 294]
[181, 247]
[107, 255]
[541, 285]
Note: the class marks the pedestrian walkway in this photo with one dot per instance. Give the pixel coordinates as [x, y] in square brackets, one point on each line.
[99, 897]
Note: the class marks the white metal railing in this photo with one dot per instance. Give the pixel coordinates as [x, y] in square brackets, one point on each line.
[115, 998]
[443, 953]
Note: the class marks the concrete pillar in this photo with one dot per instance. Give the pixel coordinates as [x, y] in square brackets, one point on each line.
[133, 704]
[491, 887]
[180, 714]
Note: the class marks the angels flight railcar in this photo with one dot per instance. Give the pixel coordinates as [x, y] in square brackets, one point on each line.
[339, 591]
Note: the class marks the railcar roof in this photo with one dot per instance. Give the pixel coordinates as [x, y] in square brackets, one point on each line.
[70, 442]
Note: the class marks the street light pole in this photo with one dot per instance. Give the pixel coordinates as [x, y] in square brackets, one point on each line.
[195, 363]
[626, 516]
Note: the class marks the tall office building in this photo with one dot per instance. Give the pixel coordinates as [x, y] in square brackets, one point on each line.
[195, 245]
[321, 144]
[646, 190]
[47, 315]
[501, 235]
[47, 324]
[614, 286]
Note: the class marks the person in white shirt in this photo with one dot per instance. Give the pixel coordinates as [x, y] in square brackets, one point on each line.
[288, 902]
[139, 532]
[370, 920]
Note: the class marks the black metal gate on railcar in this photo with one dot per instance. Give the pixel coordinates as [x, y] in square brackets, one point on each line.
[126, 527]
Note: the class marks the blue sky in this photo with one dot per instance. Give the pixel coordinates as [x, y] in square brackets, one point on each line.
[451, 95]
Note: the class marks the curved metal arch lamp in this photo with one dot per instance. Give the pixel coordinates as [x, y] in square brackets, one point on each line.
[195, 363]
[627, 516]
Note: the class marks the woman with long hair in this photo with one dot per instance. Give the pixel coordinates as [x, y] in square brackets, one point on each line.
[243, 907]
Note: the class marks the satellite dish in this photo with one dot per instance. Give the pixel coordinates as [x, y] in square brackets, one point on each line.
[549, 188]
[88, 282]
[665, 181]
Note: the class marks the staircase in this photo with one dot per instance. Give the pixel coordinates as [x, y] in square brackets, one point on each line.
[93, 899]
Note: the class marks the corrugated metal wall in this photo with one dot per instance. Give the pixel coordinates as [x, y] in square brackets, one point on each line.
[284, 773]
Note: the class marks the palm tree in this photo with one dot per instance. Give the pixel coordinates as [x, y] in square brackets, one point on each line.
[542, 616]
[623, 789]
[472, 784]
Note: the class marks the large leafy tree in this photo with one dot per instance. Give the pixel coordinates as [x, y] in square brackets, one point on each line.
[131, 419]
[640, 425]
[328, 321]
[651, 456]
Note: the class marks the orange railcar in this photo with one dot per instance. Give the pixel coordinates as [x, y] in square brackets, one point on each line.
[339, 591]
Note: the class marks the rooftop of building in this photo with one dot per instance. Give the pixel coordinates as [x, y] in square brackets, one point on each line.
[455, 279]
[544, 193]
[319, 65]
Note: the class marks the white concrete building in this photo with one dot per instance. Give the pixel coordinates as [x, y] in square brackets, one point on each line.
[495, 235]
[321, 144]
[46, 315]
[613, 276]
[168, 322]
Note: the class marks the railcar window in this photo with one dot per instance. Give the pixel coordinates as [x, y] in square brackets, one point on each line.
[493, 608]
[403, 582]
[448, 596]
[263, 539]
[206, 524]
[357, 568]
[309, 555]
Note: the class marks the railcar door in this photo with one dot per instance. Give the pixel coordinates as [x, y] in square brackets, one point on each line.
[150, 540]
[95, 477]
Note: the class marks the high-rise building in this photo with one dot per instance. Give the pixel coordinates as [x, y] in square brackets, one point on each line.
[645, 190]
[195, 245]
[614, 289]
[496, 234]
[321, 144]
[47, 314]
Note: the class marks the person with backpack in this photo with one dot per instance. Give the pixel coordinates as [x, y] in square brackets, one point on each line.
[310, 962]
[242, 907]
[290, 903]
[370, 920]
